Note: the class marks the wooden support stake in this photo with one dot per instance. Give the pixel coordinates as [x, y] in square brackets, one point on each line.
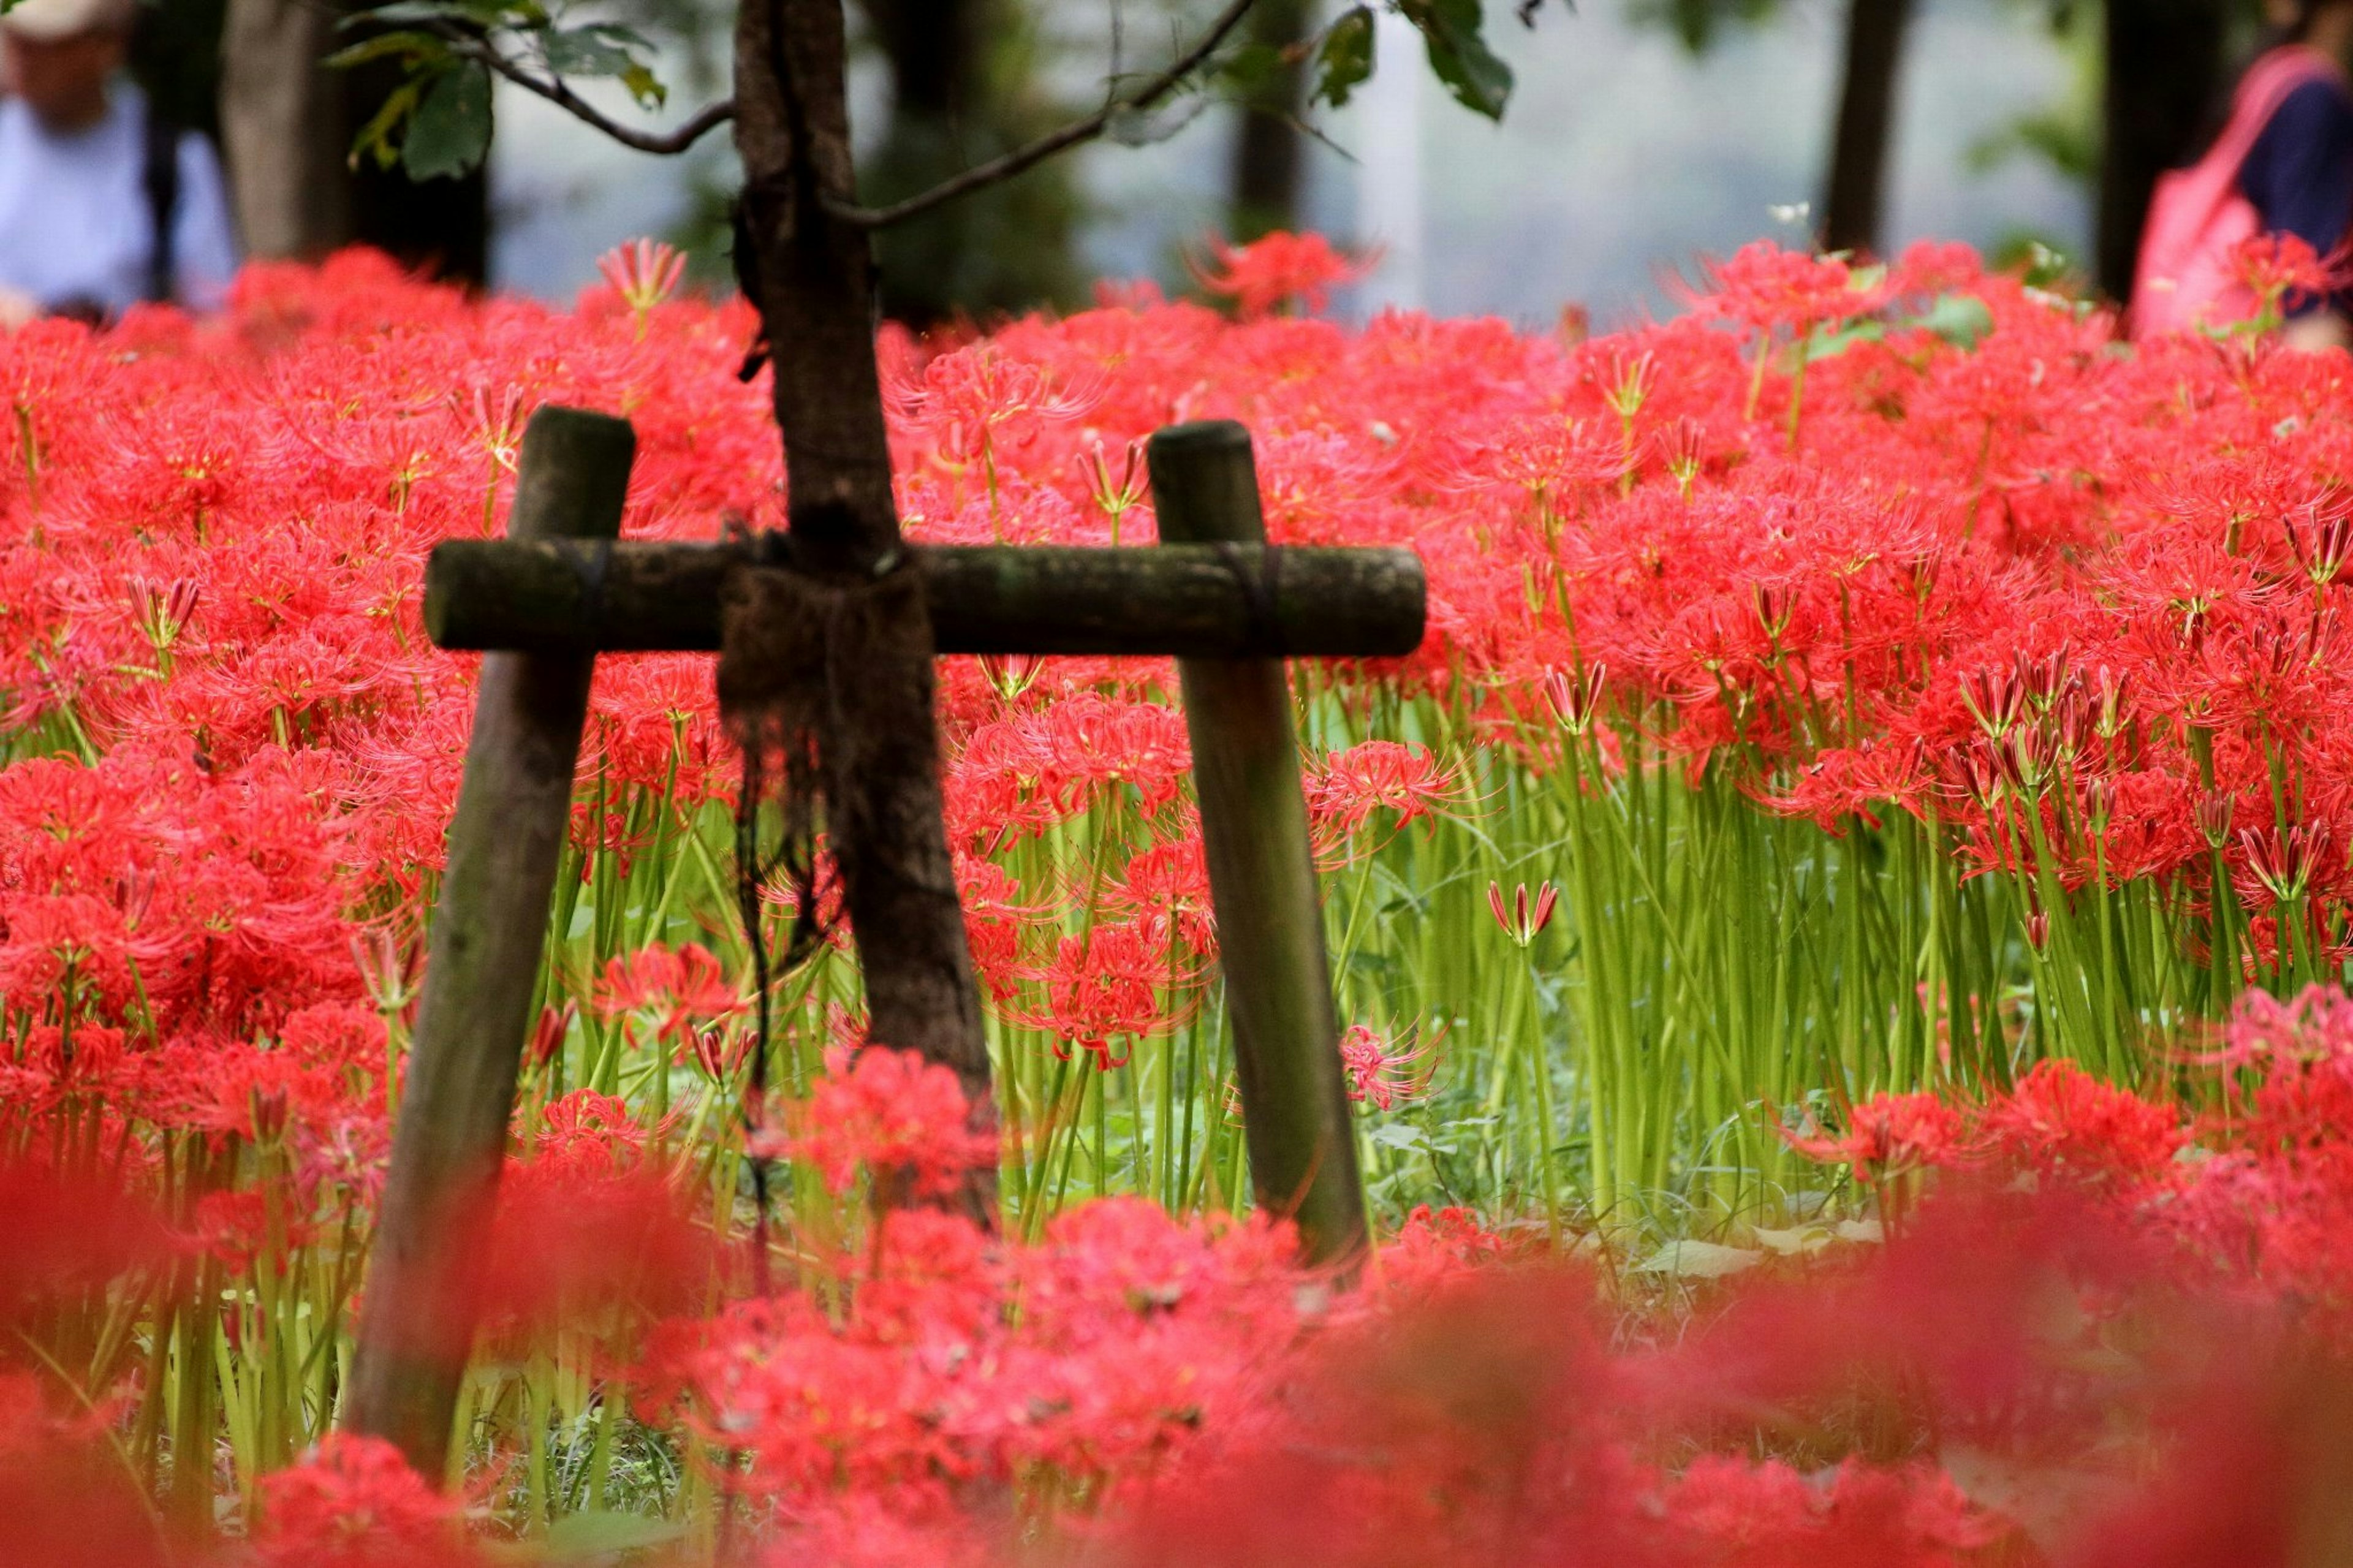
[490, 929]
[1303, 1147]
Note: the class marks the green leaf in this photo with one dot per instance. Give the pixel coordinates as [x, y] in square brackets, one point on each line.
[1132, 127]
[644, 86]
[450, 131]
[1450, 32]
[486, 14]
[1699, 1260]
[603, 49]
[1962, 320]
[599, 50]
[1345, 61]
[375, 138]
[1398, 1135]
[417, 49]
[600, 1533]
[1250, 67]
[1795, 1242]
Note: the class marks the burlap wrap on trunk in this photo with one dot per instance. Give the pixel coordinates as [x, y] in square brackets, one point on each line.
[809, 675]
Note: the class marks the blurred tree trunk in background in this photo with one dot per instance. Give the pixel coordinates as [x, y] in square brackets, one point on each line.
[287, 128]
[175, 59]
[965, 89]
[1866, 123]
[1268, 150]
[2164, 67]
[280, 117]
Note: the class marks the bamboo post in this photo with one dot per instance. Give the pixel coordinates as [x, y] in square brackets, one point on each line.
[1302, 1147]
[489, 927]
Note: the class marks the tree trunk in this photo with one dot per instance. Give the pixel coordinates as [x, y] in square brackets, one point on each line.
[286, 127]
[814, 281]
[1866, 116]
[282, 128]
[1269, 149]
[2164, 65]
[965, 87]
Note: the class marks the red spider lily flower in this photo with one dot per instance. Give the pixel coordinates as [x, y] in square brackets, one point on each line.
[390, 967]
[892, 1114]
[2279, 270]
[1520, 922]
[162, 613]
[354, 1503]
[1277, 268]
[984, 406]
[1170, 883]
[644, 273]
[68, 1234]
[1011, 674]
[1994, 697]
[1113, 982]
[1395, 780]
[2325, 540]
[1765, 287]
[2062, 1120]
[1114, 498]
[679, 987]
[1889, 1135]
[1090, 744]
[2282, 860]
[2213, 816]
[1379, 1071]
[549, 1033]
[1576, 698]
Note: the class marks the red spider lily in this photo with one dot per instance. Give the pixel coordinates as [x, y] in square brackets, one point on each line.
[2064, 1122]
[894, 1115]
[1764, 286]
[2282, 860]
[1520, 922]
[162, 613]
[1114, 498]
[2213, 816]
[1277, 268]
[548, 1034]
[1381, 1071]
[1890, 1136]
[390, 967]
[354, 1503]
[644, 273]
[2279, 269]
[1576, 699]
[679, 987]
[2325, 540]
[1396, 782]
[1169, 882]
[1112, 983]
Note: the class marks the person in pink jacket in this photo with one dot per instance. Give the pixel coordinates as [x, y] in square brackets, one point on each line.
[2281, 164]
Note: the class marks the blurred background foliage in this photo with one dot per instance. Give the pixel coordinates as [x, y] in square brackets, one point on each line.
[941, 84]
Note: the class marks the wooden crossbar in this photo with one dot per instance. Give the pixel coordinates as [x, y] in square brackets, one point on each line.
[1212, 600]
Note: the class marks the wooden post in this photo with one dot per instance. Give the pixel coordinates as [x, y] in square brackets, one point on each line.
[490, 929]
[1303, 1147]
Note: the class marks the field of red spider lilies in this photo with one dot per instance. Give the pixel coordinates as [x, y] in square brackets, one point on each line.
[1838, 925]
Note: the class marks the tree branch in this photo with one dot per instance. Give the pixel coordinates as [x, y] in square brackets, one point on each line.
[1078, 131]
[555, 91]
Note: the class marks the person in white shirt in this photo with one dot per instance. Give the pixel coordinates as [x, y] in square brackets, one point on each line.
[101, 207]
